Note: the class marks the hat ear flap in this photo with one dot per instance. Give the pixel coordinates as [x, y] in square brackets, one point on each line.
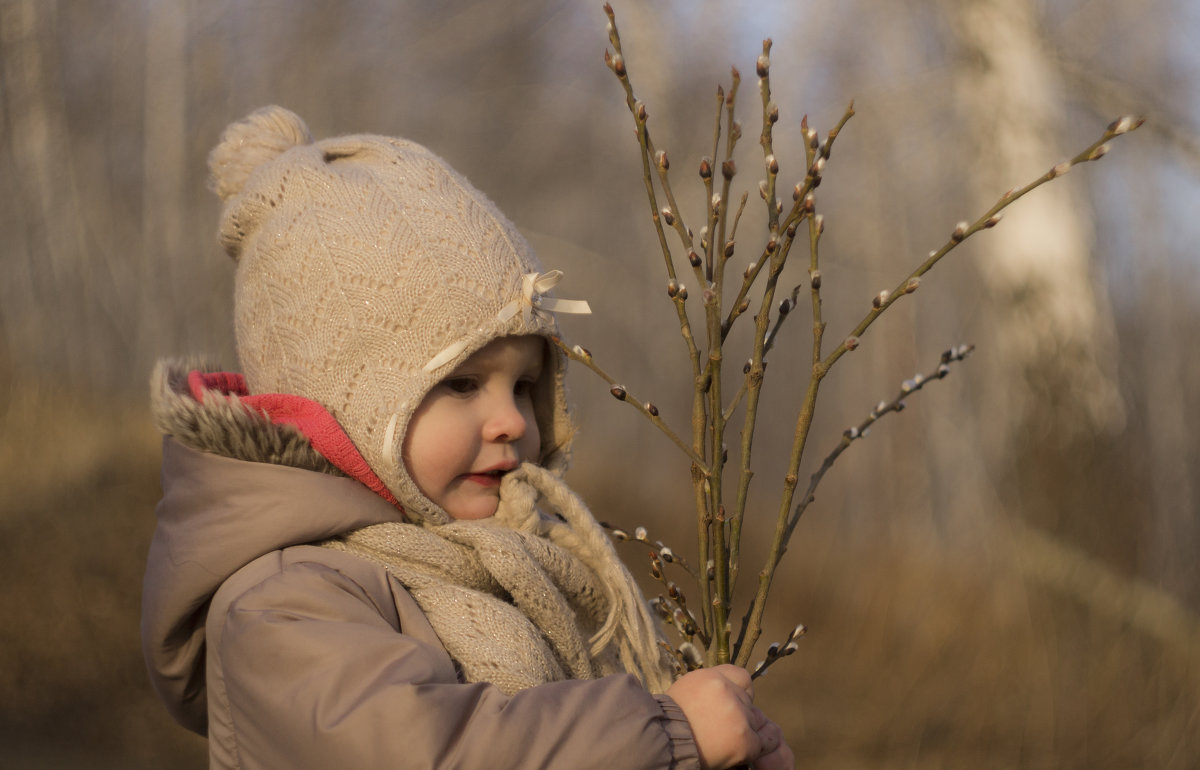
[550, 410]
[246, 145]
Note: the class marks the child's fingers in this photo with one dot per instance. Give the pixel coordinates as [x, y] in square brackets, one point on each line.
[728, 728]
[780, 759]
[756, 718]
[775, 753]
[737, 675]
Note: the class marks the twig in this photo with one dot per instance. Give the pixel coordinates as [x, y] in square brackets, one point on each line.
[701, 470]
[619, 392]
[863, 429]
[879, 304]
[665, 552]
[777, 651]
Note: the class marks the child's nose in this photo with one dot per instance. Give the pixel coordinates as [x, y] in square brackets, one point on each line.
[506, 423]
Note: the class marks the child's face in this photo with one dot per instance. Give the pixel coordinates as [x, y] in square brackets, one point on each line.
[476, 425]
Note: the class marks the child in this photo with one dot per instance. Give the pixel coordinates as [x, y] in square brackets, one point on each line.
[349, 569]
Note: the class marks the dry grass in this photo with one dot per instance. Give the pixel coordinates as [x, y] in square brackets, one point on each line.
[928, 659]
[80, 480]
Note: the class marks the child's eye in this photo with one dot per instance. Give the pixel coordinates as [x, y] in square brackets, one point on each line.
[460, 385]
[524, 386]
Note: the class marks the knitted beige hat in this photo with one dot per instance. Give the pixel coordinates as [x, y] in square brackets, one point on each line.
[368, 270]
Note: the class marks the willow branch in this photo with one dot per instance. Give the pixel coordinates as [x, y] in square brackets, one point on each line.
[885, 299]
[754, 374]
[645, 408]
[700, 470]
[863, 428]
[881, 302]
[616, 63]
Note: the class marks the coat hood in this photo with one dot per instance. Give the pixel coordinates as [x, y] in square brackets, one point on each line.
[235, 487]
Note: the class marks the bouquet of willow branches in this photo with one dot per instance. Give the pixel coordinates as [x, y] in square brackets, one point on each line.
[720, 488]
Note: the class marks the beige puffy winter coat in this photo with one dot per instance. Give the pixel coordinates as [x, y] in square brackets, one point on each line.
[290, 655]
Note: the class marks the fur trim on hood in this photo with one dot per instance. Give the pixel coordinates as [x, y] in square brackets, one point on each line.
[226, 426]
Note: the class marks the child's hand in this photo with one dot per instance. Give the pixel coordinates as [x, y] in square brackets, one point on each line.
[729, 729]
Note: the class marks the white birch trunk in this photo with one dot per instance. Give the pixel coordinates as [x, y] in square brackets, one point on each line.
[1054, 338]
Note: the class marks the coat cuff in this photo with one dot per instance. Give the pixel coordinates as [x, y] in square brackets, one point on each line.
[684, 753]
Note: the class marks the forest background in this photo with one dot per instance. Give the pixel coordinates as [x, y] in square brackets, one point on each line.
[1004, 575]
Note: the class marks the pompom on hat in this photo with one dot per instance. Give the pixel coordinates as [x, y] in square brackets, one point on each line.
[368, 269]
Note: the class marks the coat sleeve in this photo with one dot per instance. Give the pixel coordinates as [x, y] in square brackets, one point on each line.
[310, 669]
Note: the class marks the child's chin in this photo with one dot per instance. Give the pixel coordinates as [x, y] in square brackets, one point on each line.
[474, 510]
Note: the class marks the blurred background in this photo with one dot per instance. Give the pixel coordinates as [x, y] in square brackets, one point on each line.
[1003, 575]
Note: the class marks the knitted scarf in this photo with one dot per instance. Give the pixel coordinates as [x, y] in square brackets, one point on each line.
[523, 598]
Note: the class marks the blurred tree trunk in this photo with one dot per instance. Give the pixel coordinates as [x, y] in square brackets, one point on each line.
[164, 169]
[1053, 339]
[42, 177]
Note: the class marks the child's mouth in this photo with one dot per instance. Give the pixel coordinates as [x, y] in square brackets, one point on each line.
[489, 478]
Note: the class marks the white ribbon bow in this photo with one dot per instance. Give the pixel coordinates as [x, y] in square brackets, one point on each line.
[532, 298]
